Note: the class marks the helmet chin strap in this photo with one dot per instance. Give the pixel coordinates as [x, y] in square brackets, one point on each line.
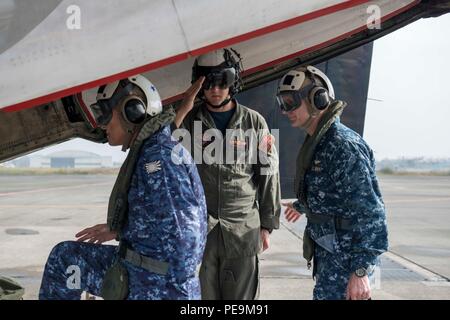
[130, 131]
[305, 126]
[127, 142]
[312, 114]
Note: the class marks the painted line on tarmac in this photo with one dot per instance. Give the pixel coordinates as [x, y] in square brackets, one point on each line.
[416, 200]
[428, 274]
[433, 278]
[15, 193]
[436, 283]
[287, 277]
[291, 230]
[59, 206]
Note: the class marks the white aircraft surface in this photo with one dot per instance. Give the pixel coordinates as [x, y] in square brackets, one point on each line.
[55, 54]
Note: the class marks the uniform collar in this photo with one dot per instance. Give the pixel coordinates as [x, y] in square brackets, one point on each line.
[204, 116]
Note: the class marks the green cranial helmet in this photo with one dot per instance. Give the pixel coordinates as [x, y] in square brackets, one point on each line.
[10, 289]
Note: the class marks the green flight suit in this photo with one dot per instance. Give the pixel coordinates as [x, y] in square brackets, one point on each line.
[241, 199]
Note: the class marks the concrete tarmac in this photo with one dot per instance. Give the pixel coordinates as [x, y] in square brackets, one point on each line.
[37, 212]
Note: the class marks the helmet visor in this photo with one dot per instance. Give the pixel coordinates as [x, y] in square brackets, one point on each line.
[223, 78]
[289, 100]
[102, 112]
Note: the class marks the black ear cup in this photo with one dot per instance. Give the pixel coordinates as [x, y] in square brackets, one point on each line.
[134, 111]
[318, 96]
[321, 100]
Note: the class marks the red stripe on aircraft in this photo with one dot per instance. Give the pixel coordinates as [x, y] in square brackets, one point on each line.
[88, 85]
[326, 43]
[86, 111]
[161, 63]
[279, 26]
[318, 46]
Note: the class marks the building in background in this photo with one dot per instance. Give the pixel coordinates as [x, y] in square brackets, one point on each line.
[65, 159]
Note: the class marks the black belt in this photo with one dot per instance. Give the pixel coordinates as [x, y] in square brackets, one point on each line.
[138, 260]
[339, 222]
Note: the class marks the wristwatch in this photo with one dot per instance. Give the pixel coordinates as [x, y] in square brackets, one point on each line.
[361, 272]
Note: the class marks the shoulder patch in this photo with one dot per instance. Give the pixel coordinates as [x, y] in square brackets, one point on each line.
[266, 143]
[153, 167]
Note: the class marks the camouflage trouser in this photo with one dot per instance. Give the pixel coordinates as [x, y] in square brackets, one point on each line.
[74, 267]
[331, 275]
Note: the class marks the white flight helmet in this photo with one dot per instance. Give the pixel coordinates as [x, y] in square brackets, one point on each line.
[292, 89]
[220, 68]
[120, 94]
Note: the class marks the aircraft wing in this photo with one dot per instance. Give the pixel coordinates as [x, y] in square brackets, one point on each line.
[54, 54]
[55, 49]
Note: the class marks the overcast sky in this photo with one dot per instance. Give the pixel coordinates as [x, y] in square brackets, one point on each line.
[410, 71]
[410, 74]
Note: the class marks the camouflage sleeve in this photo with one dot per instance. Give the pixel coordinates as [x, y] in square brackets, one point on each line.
[268, 180]
[174, 201]
[299, 207]
[353, 172]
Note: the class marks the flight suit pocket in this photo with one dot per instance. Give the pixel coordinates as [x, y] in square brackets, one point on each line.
[228, 276]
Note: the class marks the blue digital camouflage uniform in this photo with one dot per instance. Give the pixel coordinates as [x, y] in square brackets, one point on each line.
[167, 221]
[342, 182]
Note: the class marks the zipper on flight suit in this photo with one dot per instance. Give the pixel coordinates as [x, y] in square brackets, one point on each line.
[219, 209]
[209, 123]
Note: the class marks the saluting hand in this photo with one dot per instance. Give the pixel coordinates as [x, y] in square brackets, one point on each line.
[290, 213]
[97, 234]
[191, 93]
[188, 101]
